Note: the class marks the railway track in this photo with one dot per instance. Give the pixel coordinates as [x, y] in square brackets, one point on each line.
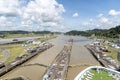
[58, 68]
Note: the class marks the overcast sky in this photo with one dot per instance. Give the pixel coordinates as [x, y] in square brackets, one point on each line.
[58, 15]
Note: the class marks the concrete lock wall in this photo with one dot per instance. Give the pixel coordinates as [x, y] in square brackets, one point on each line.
[118, 56]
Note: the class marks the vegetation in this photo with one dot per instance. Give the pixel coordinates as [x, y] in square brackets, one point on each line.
[1, 55]
[74, 32]
[47, 38]
[17, 34]
[25, 32]
[112, 52]
[101, 75]
[11, 51]
[113, 33]
[14, 50]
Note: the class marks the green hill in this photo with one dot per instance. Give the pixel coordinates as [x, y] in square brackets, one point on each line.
[110, 33]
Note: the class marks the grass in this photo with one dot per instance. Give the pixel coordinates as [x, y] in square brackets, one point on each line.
[113, 52]
[106, 38]
[31, 46]
[21, 35]
[48, 38]
[101, 75]
[16, 50]
[1, 55]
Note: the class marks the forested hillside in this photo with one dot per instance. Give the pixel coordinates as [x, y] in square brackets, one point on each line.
[111, 33]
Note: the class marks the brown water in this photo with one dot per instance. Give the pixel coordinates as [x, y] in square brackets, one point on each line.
[80, 56]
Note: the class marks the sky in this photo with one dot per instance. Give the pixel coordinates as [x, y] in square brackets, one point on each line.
[58, 15]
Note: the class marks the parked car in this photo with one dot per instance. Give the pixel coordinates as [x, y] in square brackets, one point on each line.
[15, 39]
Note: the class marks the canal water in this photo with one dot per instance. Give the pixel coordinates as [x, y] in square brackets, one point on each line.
[80, 59]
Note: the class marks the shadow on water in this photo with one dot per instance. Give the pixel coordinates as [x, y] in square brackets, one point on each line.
[82, 40]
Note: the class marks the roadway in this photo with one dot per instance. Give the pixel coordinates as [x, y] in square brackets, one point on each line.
[5, 41]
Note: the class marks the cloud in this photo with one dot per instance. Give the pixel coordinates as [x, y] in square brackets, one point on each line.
[114, 12]
[9, 10]
[100, 15]
[101, 21]
[32, 15]
[89, 24]
[38, 13]
[75, 15]
[104, 20]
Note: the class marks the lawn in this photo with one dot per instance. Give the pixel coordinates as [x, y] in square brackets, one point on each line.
[31, 46]
[1, 55]
[113, 52]
[101, 75]
[106, 38]
[21, 35]
[25, 35]
[48, 38]
[14, 51]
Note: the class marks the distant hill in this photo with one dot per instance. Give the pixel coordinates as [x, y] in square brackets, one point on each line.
[14, 32]
[19, 33]
[42, 32]
[94, 30]
[25, 32]
[112, 32]
[75, 32]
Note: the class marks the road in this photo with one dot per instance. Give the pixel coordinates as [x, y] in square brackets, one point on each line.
[5, 41]
[80, 59]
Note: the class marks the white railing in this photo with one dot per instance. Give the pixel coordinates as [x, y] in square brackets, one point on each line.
[84, 72]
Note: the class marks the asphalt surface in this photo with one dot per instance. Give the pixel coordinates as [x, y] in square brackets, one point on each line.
[5, 41]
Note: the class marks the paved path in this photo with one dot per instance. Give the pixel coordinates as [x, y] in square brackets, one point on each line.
[4, 41]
